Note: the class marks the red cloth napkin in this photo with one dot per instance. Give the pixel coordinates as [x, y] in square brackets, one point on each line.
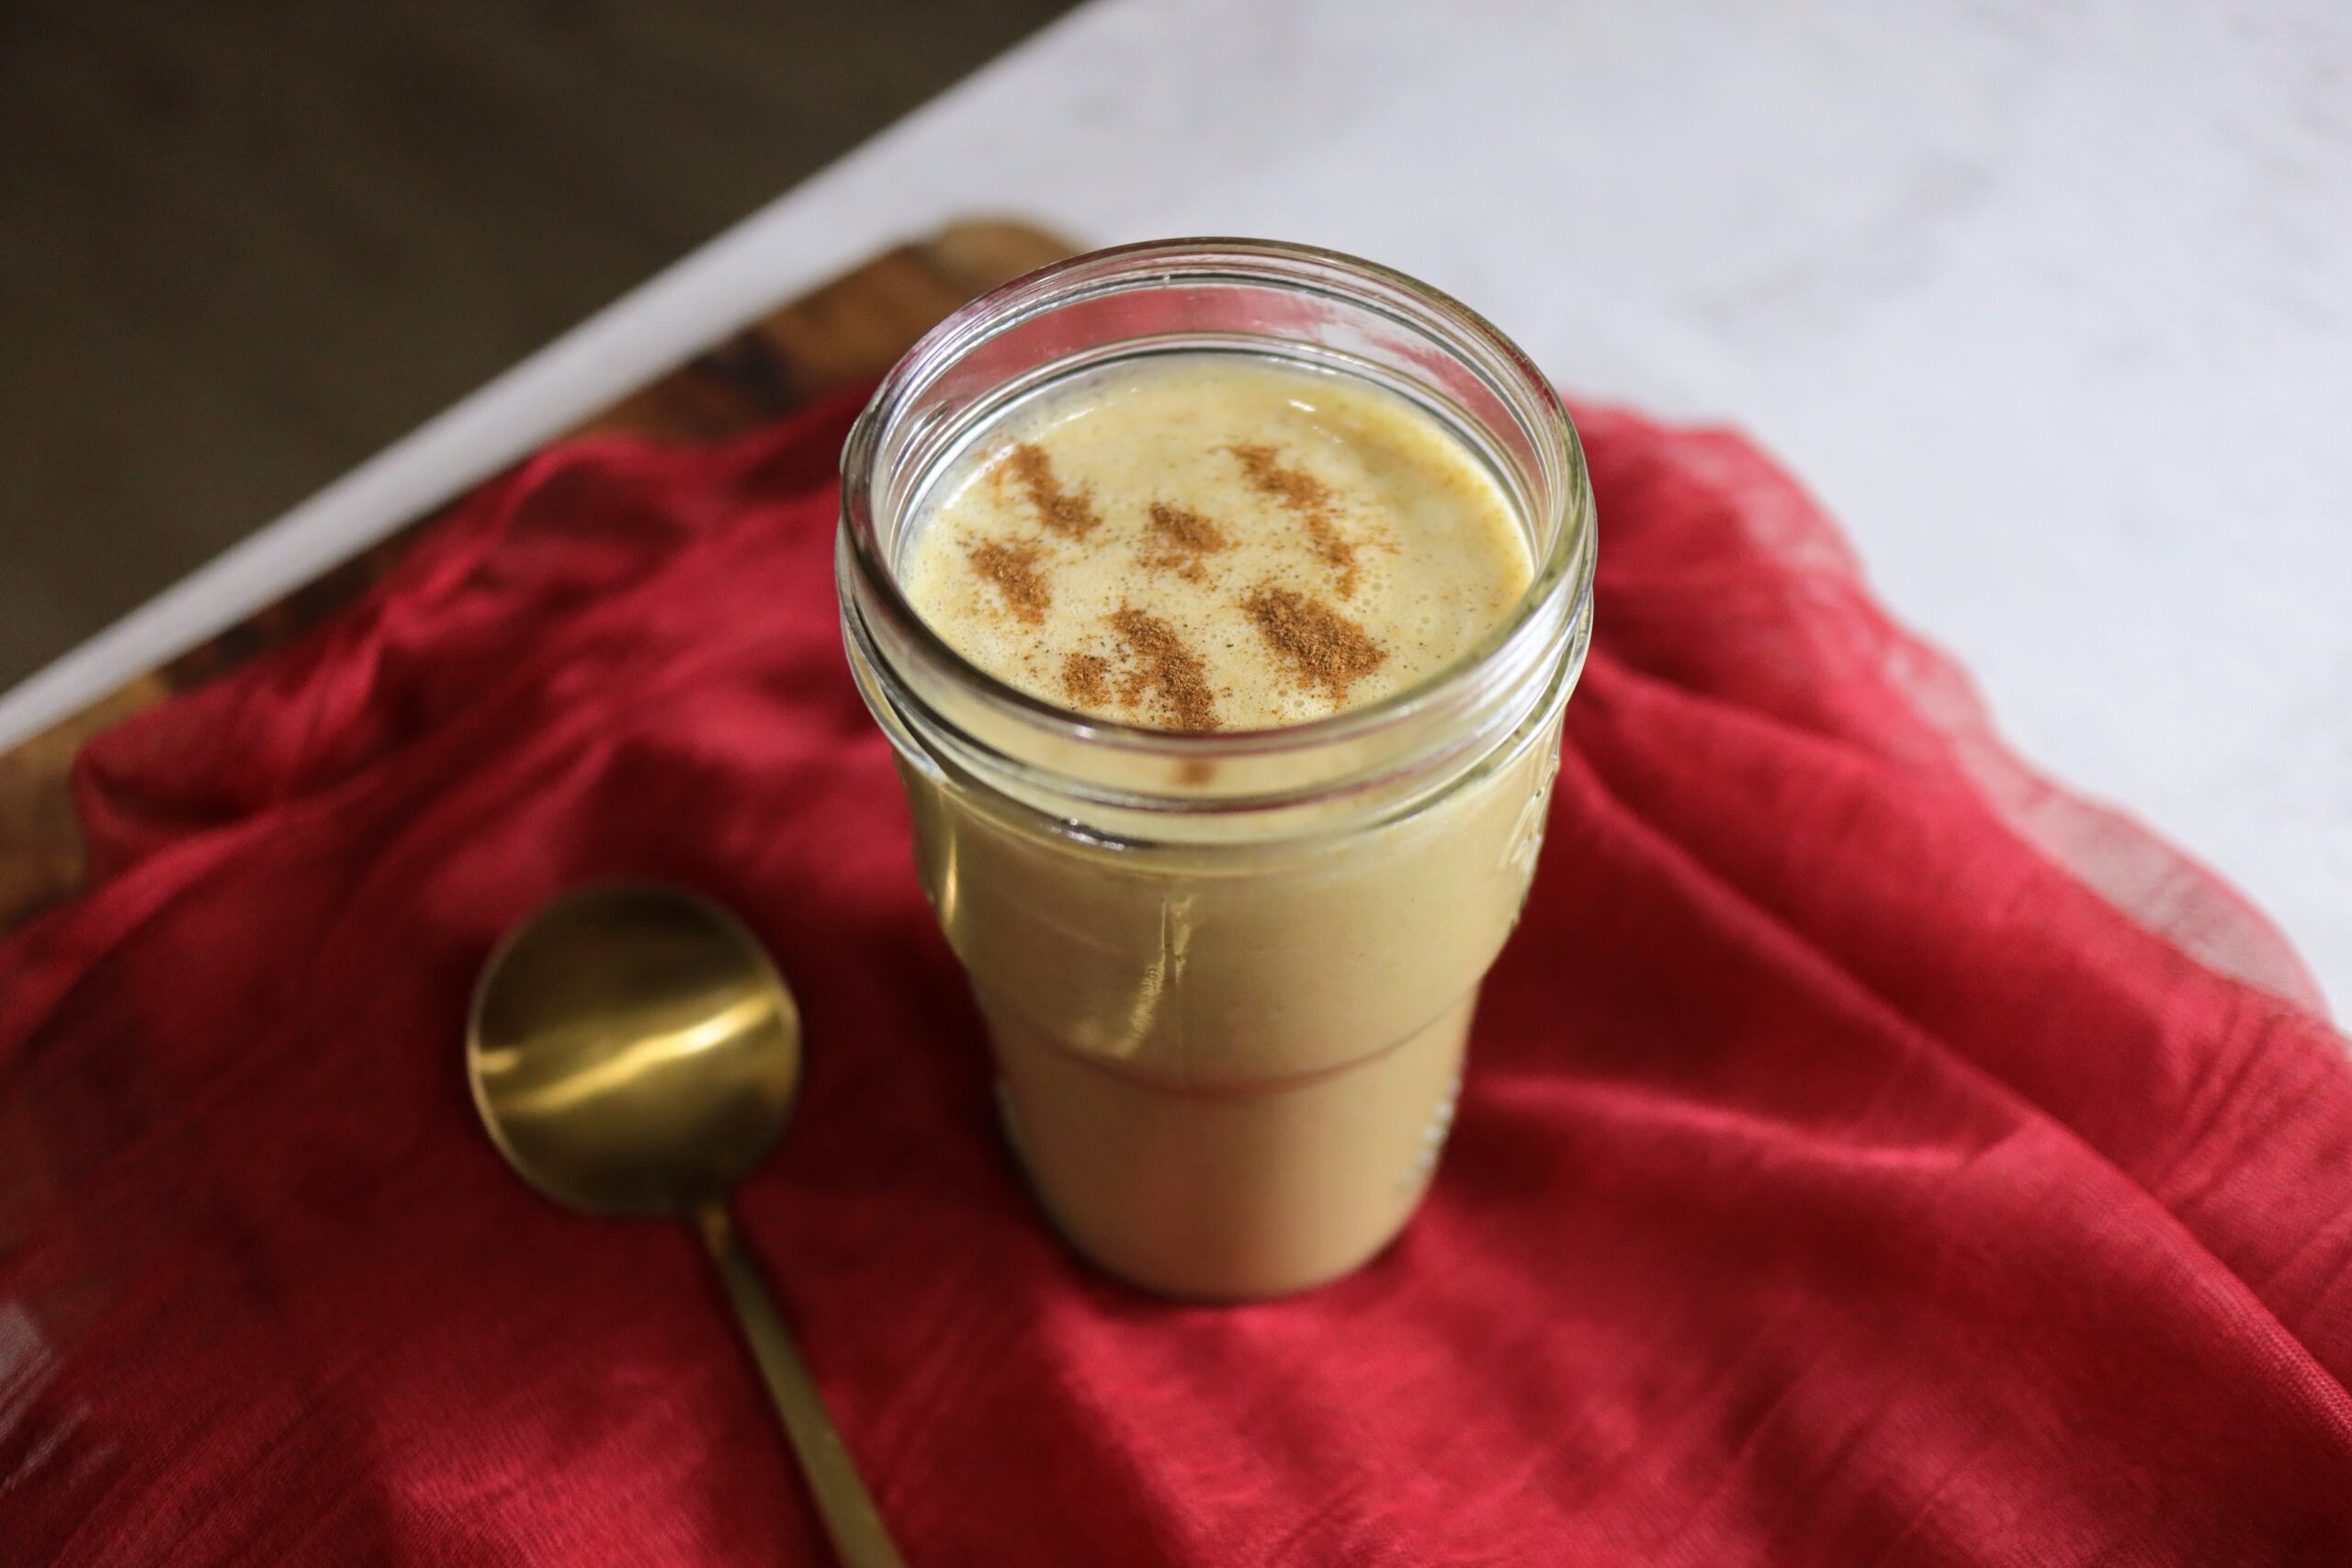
[1839, 1178]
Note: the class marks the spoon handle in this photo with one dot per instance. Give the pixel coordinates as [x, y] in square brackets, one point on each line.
[849, 1513]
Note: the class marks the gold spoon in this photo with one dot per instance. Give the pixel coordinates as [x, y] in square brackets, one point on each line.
[633, 1052]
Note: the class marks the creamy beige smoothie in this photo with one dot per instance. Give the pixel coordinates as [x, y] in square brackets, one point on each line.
[1229, 1071]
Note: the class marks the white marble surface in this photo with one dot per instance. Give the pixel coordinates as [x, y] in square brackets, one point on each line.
[2048, 302]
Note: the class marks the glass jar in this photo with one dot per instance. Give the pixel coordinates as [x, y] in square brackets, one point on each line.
[1228, 976]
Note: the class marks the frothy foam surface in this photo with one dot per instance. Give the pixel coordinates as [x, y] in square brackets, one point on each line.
[1215, 541]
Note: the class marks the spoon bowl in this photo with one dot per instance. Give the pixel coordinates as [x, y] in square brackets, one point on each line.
[633, 1051]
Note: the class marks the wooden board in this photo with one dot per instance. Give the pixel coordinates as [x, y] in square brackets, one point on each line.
[850, 330]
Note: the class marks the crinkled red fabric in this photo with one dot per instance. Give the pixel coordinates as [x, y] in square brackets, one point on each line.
[1838, 1178]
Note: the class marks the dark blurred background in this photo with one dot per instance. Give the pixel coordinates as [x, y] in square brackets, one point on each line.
[242, 245]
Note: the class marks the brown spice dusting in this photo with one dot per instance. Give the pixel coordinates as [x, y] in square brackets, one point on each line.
[1181, 536]
[1087, 678]
[1165, 670]
[1014, 570]
[1311, 500]
[1329, 649]
[1070, 513]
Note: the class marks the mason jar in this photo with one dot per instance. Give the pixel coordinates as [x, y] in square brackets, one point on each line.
[1228, 976]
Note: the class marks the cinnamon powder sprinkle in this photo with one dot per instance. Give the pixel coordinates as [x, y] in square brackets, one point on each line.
[1311, 500]
[1327, 649]
[1166, 671]
[1014, 572]
[1070, 513]
[1181, 536]
[1087, 678]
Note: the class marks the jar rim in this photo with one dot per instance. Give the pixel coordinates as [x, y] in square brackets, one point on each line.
[1564, 567]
